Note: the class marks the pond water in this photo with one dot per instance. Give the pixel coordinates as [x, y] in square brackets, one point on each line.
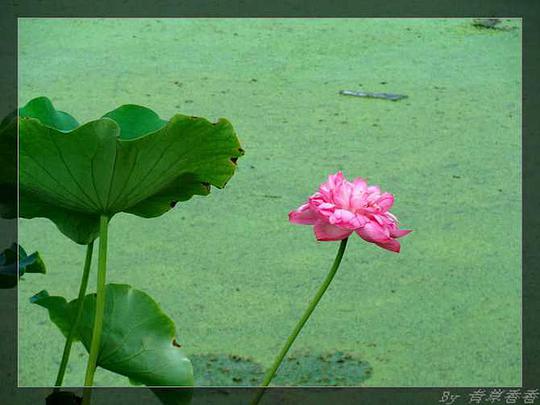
[229, 269]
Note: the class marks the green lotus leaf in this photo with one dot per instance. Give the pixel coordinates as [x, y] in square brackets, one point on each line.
[30, 263]
[137, 340]
[129, 160]
[43, 109]
[10, 271]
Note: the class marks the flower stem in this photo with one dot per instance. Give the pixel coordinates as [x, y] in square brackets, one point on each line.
[100, 309]
[72, 332]
[322, 289]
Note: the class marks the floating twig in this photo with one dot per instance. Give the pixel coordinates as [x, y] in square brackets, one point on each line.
[367, 94]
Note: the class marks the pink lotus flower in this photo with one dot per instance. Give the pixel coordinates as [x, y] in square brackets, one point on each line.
[340, 208]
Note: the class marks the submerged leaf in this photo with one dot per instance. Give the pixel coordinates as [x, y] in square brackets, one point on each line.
[298, 369]
[322, 369]
[137, 340]
[130, 160]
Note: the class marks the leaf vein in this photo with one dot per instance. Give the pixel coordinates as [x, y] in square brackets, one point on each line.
[126, 336]
[139, 185]
[70, 173]
[75, 196]
[126, 182]
[112, 174]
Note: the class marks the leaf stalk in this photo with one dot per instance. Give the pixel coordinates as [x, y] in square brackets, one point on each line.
[311, 307]
[73, 330]
[100, 309]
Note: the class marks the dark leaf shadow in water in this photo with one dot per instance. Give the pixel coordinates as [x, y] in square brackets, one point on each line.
[299, 369]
